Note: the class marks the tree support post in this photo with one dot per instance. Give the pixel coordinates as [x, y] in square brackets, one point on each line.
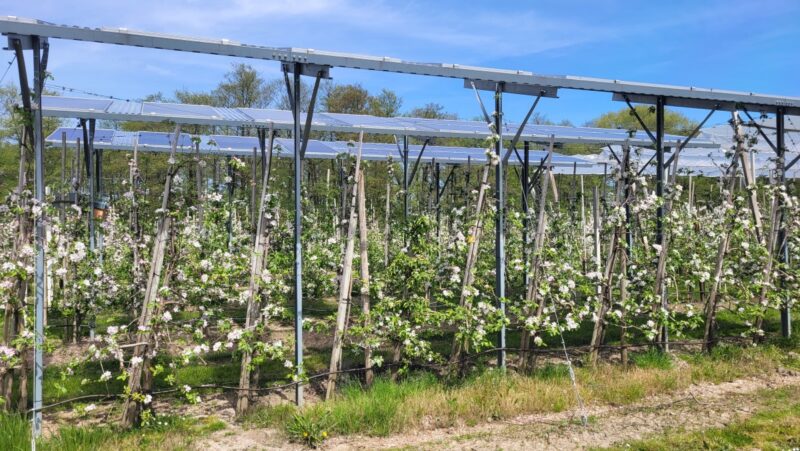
[364, 260]
[131, 413]
[257, 263]
[345, 284]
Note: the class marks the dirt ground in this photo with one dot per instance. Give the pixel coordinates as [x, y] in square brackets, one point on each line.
[698, 407]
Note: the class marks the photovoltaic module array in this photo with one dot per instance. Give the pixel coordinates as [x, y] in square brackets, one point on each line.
[243, 146]
[121, 110]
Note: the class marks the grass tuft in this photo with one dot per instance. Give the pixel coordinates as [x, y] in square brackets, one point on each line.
[15, 432]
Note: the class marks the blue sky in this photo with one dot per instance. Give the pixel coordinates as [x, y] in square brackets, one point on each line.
[733, 44]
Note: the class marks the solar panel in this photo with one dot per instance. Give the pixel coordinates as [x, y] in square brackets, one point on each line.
[101, 136]
[70, 103]
[163, 139]
[228, 142]
[268, 115]
[180, 110]
[284, 147]
[365, 121]
[337, 122]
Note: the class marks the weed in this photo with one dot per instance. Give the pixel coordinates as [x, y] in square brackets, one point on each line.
[308, 429]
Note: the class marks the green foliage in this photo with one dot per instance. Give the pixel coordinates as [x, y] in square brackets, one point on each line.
[674, 122]
[431, 111]
[244, 87]
[355, 99]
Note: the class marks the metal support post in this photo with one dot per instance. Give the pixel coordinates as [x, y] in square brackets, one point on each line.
[230, 186]
[500, 233]
[39, 237]
[405, 178]
[783, 248]
[298, 227]
[436, 177]
[659, 144]
[524, 198]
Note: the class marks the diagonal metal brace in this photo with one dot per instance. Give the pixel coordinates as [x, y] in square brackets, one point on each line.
[514, 141]
[791, 163]
[310, 116]
[761, 131]
[480, 102]
[644, 166]
[613, 154]
[641, 122]
[697, 129]
[446, 182]
[288, 89]
[416, 163]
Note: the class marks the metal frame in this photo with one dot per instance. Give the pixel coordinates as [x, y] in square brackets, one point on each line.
[691, 97]
[32, 34]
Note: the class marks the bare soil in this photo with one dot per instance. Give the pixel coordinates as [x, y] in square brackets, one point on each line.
[700, 406]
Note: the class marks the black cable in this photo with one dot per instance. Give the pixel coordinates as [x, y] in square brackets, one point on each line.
[8, 68]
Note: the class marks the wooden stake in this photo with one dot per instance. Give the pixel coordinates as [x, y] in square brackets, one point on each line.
[474, 240]
[364, 259]
[133, 407]
[724, 241]
[345, 282]
[387, 231]
[257, 263]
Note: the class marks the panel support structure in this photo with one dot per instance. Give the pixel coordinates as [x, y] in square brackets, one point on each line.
[298, 227]
[499, 223]
[524, 183]
[659, 143]
[39, 67]
[783, 248]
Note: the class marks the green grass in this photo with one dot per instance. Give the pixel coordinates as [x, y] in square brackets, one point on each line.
[168, 432]
[355, 410]
[775, 427]
[652, 359]
[422, 401]
[14, 432]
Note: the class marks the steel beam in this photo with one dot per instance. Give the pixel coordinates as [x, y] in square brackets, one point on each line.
[405, 178]
[687, 95]
[513, 146]
[298, 228]
[774, 147]
[39, 237]
[783, 247]
[500, 232]
[639, 119]
[524, 183]
[659, 143]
